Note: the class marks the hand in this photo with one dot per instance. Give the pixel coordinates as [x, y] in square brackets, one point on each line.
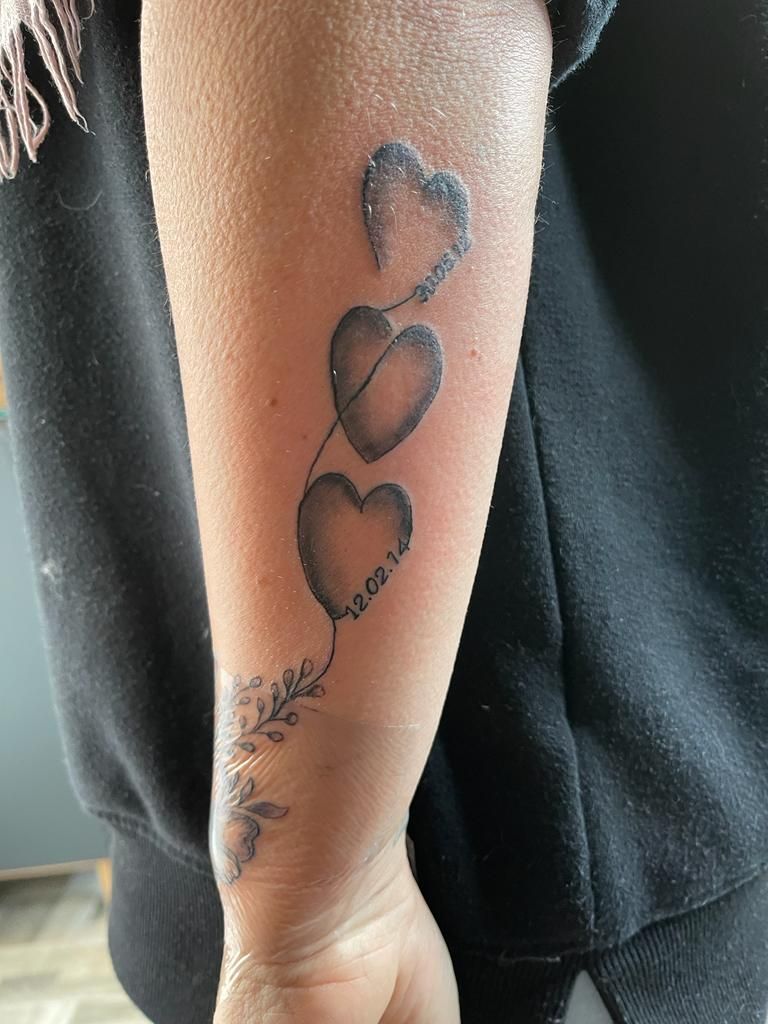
[369, 953]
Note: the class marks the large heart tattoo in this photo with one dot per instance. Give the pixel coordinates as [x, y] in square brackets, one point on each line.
[343, 537]
[401, 201]
[382, 384]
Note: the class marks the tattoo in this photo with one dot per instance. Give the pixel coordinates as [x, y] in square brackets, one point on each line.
[383, 380]
[376, 581]
[396, 168]
[367, 358]
[236, 812]
[340, 534]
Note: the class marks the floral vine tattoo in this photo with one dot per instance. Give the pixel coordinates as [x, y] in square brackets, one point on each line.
[236, 814]
[383, 380]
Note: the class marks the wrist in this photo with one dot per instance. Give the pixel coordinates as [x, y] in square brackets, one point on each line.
[291, 914]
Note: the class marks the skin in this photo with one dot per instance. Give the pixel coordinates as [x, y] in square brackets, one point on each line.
[260, 119]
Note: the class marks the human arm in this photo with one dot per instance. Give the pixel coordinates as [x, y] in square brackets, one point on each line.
[312, 166]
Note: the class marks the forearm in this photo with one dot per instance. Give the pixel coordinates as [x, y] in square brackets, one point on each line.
[274, 224]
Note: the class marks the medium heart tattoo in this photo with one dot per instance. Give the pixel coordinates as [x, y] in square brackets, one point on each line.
[342, 537]
[382, 383]
[384, 379]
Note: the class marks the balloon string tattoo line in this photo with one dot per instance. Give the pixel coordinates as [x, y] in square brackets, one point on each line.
[402, 302]
[349, 545]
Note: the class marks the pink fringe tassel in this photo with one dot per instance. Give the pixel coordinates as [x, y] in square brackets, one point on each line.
[54, 25]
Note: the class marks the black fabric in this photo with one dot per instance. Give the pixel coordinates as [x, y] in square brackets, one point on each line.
[100, 439]
[576, 28]
[165, 932]
[709, 966]
[601, 763]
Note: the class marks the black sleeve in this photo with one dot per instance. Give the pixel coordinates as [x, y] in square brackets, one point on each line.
[576, 27]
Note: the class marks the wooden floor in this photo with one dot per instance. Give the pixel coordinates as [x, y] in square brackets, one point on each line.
[54, 964]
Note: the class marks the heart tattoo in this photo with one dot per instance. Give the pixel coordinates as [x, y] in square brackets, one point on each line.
[397, 191]
[382, 385]
[342, 536]
[384, 380]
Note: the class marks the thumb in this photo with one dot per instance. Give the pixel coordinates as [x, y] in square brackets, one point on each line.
[426, 990]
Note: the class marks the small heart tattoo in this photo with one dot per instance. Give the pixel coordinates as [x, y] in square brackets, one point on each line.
[382, 384]
[397, 193]
[342, 536]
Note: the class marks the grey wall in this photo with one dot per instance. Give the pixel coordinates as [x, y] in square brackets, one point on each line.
[40, 821]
